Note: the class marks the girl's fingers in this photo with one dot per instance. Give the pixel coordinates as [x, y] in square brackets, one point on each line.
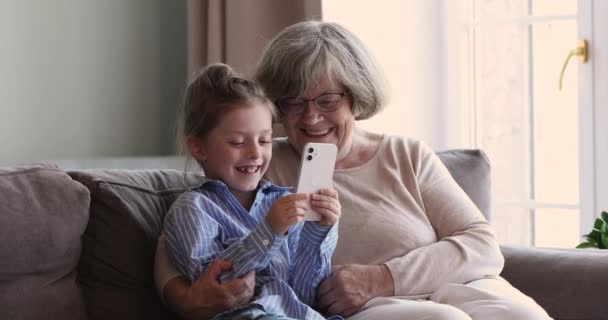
[297, 196]
[328, 216]
[300, 211]
[295, 218]
[332, 210]
[328, 192]
[295, 211]
[330, 204]
[297, 205]
[322, 198]
[325, 212]
[292, 198]
[301, 204]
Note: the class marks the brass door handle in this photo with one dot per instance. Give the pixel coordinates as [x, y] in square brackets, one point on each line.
[581, 51]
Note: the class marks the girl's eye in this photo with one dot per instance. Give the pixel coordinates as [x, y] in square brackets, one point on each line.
[236, 143]
[265, 141]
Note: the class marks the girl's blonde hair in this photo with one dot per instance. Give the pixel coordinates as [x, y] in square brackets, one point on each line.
[217, 90]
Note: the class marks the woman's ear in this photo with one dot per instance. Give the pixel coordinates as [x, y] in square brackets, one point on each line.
[196, 148]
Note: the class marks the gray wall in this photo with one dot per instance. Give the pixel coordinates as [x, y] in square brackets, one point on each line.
[83, 79]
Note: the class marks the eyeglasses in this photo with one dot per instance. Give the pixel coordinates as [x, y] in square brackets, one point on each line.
[327, 102]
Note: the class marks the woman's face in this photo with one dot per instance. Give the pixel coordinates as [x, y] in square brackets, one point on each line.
[311, 125]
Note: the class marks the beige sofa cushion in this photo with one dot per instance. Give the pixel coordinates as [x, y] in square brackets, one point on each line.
[43, 214]
[127, 212]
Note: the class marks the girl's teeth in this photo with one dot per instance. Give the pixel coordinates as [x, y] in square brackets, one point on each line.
[248, 169]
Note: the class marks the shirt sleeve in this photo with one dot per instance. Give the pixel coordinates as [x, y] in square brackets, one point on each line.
[467, 248]
[312, 259]
[195, 239]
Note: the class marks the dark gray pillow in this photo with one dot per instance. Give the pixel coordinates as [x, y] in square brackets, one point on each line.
[471, 170]
[126, 215]
[43, 214]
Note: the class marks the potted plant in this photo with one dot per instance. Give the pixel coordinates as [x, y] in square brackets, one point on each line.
[598, 237]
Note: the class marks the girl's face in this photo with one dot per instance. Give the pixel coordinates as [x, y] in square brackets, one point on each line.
[238, 150]
[314, 126]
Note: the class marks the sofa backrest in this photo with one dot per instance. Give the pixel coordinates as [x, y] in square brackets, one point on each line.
[43, 214]
[471, 170]
[127, 210]
[126, 214]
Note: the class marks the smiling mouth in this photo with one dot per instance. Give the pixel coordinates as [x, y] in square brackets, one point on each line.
[316, 133]
[249, 169]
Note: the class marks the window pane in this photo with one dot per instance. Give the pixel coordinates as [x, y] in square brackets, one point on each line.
[554, 7]
[555, 114]
[512, 225]
[502, 109]
[557, 228]
[502, 124]
[500, 8]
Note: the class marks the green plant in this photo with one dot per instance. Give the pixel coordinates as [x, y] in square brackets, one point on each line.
[598, 237]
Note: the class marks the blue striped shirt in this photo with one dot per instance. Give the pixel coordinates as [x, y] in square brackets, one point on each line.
[209, 223]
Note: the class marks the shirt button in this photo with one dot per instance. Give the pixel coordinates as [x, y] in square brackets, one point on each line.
[265, 242]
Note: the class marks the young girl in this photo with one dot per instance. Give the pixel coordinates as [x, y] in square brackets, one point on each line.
[237, 216]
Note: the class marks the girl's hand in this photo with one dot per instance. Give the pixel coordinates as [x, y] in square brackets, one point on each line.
[326, 203]
[286, 212]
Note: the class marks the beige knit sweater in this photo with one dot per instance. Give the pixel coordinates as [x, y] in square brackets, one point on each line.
[402, 208]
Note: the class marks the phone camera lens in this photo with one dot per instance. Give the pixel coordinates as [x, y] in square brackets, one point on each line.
[309, 158]
[310, 150]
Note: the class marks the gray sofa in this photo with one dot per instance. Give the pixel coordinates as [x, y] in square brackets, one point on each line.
[80, 244]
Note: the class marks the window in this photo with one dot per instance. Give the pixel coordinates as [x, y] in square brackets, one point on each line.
[484, 74]
[528, 127]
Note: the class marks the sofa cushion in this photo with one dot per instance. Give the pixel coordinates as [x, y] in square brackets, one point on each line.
[43, 214]
[127, 211]
[568, 283]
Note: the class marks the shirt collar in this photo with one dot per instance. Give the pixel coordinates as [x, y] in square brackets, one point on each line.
[264, 185]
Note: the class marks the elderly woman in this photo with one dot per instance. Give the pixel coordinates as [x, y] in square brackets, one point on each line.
[411, 244]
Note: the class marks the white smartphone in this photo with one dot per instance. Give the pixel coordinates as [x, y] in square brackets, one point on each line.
[316, 171]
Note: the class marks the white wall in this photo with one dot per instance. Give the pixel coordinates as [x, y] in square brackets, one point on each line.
[407, 37]
[81, 79]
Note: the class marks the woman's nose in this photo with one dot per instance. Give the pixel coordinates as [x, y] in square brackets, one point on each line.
[311, 115]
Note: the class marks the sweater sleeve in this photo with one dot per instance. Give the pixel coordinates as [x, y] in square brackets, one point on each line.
[467, 248]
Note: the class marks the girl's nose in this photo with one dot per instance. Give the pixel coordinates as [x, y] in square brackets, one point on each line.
[254, 151]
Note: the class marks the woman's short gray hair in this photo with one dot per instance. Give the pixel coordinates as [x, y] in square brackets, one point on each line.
[295, 59]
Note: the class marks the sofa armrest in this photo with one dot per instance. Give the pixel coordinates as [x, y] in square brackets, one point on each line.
[568, 283]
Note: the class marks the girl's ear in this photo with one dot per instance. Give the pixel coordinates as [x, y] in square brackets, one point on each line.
[196, 148]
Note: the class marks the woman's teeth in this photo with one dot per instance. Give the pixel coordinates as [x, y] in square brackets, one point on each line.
[317, 132]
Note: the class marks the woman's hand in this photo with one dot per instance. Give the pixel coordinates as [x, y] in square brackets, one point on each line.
[286, 212]
[207, 297]
[326, 203]
[350, 286]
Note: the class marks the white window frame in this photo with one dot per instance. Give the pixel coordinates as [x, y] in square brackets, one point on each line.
[593, 152]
